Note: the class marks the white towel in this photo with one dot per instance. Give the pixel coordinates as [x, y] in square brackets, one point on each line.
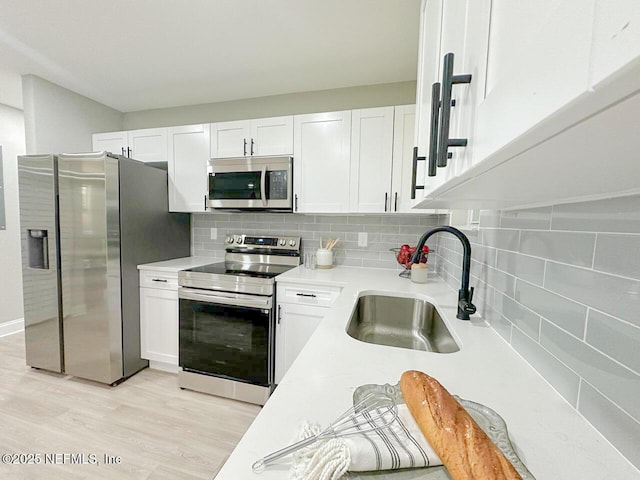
[399, 445]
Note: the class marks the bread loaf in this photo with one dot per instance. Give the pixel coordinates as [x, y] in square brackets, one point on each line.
[462, 445]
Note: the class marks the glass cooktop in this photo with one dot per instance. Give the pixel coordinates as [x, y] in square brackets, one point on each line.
[259, 270]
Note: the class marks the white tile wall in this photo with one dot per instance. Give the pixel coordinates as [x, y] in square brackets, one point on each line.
[561, 284]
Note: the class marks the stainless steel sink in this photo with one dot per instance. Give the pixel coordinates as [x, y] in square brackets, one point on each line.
[400, 322]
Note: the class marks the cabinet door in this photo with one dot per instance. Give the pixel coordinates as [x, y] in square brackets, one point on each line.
[148, 145]
[230, 139]
[272, 136]
[429, 59]
[322, 150]
[616, 38]
[294, 327]
[465, 33]
[538, 62]
[403, 142]
[159, 325]
[188, 166]
[371, 156]
[114, 142]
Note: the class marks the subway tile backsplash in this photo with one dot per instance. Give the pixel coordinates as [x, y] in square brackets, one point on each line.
[383, 233]
[561, 284]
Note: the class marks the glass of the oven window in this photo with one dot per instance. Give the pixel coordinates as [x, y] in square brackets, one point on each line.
[309, 260]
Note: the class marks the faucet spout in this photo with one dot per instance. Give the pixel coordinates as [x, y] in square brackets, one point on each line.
[465, 294]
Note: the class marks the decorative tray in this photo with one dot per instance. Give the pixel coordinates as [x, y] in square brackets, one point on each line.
[492, 424]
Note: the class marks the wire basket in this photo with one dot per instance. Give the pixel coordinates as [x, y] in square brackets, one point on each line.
[406, 273]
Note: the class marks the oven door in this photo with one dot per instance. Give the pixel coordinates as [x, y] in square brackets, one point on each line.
[227, 335]
[264, 183]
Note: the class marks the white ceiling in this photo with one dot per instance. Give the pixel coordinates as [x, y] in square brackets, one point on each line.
[143, 54]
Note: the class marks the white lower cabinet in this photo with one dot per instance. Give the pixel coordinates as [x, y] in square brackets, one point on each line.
[159, 318]
[300, 310]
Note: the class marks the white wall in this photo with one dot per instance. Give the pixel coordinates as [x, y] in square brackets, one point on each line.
[13, 144]
[401, 93]
[58, 120]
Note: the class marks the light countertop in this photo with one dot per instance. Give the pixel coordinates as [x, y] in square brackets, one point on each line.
[177, 264]
[551, 438]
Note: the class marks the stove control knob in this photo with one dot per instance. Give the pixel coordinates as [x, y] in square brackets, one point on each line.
[238, 239]
[229, 239]
[282, 242]
[292, 242]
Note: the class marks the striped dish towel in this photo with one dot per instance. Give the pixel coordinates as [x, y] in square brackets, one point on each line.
[399, 445]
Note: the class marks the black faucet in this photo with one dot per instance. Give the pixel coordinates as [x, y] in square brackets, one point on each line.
[465, 294]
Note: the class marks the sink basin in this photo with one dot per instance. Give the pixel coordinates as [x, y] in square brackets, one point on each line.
[400, 322]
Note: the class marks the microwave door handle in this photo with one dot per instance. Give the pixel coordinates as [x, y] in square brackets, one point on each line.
[263, 185]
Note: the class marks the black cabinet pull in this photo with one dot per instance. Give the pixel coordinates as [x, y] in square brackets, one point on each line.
[252, 143]
[313, 295]
[205, 203]
[123, 154]
[296, 202]
[395, 203]
[158, 280]
[414, 172]
[386, 198]
[448, 80]
[128, 152]
[433, 132]
[279, 313]
[244, 147]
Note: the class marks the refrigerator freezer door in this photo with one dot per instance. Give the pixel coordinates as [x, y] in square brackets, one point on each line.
[90, 260]
[40, 275]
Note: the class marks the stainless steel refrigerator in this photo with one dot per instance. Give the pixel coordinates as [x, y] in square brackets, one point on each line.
[87, 221]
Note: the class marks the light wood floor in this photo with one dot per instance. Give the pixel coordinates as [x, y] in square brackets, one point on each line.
[159, 431]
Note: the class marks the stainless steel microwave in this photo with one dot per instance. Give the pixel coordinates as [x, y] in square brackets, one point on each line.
[251, 183]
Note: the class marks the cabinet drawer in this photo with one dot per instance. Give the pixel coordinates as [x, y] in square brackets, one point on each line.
[159, 279]
[321, 296]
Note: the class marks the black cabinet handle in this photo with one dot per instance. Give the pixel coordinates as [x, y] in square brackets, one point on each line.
[312, 295]
[244, 147]
[448, 80]
[128, 152]
[433, 132]
[279, 313]
[205, 203]
[296, 202]
[414, 172]
[395, 203]
[158, 280]
[252, 143]
[123, 154]
[386, 198]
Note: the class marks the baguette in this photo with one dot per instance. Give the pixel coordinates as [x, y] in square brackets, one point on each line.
[465, 450]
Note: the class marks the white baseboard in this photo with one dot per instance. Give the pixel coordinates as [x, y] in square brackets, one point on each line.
[11, 327]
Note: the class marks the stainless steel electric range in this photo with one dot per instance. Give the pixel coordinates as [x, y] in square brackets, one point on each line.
[227, 318]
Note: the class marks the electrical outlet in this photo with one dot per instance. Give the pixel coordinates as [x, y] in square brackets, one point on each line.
[362, 239]
[214, 234]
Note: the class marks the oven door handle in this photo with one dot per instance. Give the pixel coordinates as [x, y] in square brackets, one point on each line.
[263, 185]
[225, 298]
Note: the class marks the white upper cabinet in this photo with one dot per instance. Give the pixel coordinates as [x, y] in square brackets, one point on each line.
[263, 136]
[114, 142]
[322, 152]
[272, 136]
[230, 139]
[188, 167]
[552, 83]
[538, 62]
[371, 160]
[403, 142]
[146, 145]
[616, 38]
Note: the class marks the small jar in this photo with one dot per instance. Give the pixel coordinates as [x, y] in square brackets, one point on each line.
[419, 273]
[324, 258]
